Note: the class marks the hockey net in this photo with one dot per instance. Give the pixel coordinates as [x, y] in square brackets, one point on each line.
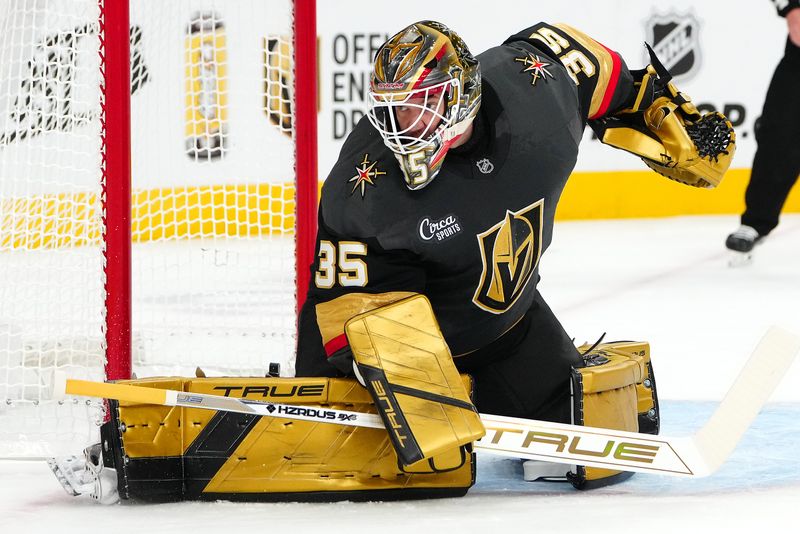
[212, 201]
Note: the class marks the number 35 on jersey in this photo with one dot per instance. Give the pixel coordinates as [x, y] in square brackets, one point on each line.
[341, 264]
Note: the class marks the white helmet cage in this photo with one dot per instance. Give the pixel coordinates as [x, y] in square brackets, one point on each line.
[425, 91]
[429, 114]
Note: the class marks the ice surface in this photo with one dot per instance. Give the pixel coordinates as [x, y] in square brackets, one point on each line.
[662, 280]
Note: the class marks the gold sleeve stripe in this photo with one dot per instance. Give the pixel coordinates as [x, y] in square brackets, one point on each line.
[609, 65]
[333, 314]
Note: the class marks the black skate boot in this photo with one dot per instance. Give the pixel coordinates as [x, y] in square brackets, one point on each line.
[743, 239]
[742, 242]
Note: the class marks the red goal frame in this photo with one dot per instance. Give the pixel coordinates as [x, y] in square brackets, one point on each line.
[116, 168]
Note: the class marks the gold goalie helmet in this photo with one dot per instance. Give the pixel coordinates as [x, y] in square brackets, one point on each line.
[424, 93]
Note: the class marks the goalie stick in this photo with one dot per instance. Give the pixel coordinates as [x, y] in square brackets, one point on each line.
[693, 456]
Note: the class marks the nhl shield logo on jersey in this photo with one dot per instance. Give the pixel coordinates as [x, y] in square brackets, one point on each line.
[535, 66]
[510, 252]
[485, 166]
[366, 173]
[675, 39]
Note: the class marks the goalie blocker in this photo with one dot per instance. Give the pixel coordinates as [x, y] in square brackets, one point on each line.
[401, 357]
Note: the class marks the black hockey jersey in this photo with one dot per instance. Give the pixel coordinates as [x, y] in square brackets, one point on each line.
[471, 240]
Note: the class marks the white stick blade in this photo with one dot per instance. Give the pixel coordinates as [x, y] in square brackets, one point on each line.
[589, 446]
[750, 391]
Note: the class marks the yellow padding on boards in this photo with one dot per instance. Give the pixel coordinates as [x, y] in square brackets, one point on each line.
[403, 340]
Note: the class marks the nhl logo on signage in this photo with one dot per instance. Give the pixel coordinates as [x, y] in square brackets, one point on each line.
[675, 40]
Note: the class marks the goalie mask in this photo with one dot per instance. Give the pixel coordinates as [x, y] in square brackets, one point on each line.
[425, 91]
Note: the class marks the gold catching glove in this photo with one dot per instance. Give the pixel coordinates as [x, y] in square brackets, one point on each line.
[665, 128]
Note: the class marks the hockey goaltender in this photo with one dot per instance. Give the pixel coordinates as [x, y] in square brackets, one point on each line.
[423, 305]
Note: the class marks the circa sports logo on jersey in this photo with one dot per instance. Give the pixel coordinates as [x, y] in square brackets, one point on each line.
[510, 252]
[438, 229]
[535, 66]
[675, 39]
[365, 174]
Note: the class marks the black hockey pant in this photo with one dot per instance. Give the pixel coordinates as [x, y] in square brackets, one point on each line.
[526, 372]
[777, 161]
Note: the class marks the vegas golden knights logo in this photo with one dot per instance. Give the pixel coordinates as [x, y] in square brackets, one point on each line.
[510, 252]
[278, 82]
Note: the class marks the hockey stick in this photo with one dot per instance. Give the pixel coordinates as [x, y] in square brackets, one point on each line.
[694, 456]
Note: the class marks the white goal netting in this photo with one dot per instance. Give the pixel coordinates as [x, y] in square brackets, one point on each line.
[212, 201]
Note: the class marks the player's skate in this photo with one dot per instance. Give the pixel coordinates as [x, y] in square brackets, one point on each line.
[86, 475]
[537, 470]
[741, 244]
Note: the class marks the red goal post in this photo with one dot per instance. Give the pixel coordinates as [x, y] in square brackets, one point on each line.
[114, 25]
[158, 201]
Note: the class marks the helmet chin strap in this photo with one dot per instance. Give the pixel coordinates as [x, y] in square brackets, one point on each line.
[457, 130]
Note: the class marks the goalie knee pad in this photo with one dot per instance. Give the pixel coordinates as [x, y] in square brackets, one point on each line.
[164, 453]
[615, 389]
